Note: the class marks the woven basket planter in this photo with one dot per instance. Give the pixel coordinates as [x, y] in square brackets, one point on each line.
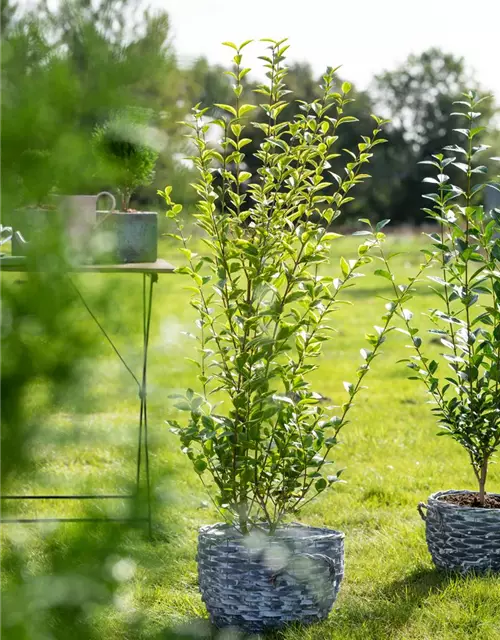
[261, 582]
[460, 538]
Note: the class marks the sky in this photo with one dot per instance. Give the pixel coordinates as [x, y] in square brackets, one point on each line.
[365, 37]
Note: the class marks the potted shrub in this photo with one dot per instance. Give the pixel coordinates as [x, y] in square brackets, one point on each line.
[264, 303]
[462, 527]
[127, 156]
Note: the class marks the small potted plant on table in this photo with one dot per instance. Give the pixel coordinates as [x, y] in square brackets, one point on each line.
[264, 304]
[127, 155]
[462, 527]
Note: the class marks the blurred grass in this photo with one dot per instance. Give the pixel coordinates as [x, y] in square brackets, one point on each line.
[392, 458]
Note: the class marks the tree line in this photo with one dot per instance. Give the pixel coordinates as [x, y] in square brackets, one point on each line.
[66, 68]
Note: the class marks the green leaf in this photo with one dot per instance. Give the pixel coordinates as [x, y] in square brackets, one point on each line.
[226, 107]
[380, 225]
[245, 108]
[284, 399]
[438, 280]
[200, 465]
[243, 176]
[349, 387]
[496, 289]
[320, 485]
[495, 251]
[344, 266]
[236, 129]
[383, 274]
[345, 119]
[245, 43]
[433, 365]
[474, 132]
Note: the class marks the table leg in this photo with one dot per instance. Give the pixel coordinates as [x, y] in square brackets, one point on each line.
[147, 303]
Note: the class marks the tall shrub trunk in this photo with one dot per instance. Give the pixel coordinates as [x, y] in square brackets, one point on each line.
[482, 482]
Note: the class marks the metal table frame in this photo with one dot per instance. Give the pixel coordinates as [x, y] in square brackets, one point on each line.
[150, 272]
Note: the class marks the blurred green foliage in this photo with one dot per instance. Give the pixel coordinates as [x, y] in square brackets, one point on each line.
[66, 68]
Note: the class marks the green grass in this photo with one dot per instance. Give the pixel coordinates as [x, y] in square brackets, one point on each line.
[393, 460]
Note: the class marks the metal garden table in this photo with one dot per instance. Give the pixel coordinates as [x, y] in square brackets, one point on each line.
[150, 273]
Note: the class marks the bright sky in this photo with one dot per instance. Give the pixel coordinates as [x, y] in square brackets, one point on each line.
[365, 36]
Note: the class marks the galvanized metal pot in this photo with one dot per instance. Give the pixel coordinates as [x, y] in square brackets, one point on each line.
[126, 237]
[461, 538]
[260, 582]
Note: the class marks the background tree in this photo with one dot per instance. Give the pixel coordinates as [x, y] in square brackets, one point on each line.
[206, 84]
[418, 97]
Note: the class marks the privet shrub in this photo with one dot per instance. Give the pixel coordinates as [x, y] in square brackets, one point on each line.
[464, 383]
[263, 296]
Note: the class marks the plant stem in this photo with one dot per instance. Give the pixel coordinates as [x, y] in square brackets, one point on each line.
[482, 481]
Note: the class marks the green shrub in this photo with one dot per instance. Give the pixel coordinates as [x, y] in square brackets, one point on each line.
[125, 154]
[263, 299]
[464, 383]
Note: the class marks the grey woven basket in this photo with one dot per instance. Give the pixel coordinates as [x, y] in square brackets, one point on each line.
[261, 582]
[460, 538]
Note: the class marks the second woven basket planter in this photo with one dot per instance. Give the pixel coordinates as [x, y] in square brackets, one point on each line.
[462, 538]
[261, 582]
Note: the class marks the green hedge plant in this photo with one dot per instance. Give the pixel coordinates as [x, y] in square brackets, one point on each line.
[264, 295]
[464, 381]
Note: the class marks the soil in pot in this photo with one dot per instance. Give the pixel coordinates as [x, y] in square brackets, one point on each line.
[472, 500]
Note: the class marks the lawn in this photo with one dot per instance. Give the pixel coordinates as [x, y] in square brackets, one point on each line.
[392, 458]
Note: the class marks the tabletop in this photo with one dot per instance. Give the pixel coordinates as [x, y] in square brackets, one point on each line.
[19, 264]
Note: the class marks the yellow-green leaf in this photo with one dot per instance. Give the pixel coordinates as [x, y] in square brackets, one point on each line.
[245, 108]
[243, 176]
[226, 107]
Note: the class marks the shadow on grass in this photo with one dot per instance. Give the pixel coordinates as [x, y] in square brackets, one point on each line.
[419, 585]
[378, 617]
